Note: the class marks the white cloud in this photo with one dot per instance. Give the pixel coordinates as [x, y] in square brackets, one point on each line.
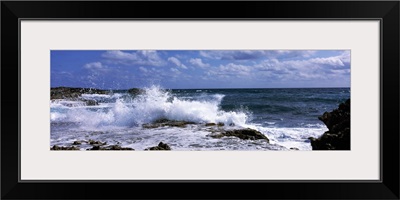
[198, 63]
[340, 71]
[234, 68]
[333, 61]
[345, 56]
[177, 62]
[255, 54]
[96, 66]
[143, 57]
[65, 73]
[143, 69]
[293, 53]
[307, 69]
[231, 55]
[175, 71]
[231, 69]
[310, 69]
[270, 65]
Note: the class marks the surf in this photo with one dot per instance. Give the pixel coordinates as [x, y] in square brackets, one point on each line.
[152, 104]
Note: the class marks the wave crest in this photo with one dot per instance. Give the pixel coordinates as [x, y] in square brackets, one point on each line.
[153, 104]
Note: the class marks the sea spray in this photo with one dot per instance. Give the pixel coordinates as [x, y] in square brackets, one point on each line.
[288, 117]
[152, 104]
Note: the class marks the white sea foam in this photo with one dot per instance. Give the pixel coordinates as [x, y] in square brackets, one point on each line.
[56, 117]
[292, 137]
[120, 119]
[102, 96]
[91, 96]
[155, 103]
[67, 103]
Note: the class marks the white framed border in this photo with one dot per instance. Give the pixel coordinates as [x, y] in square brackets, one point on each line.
[38, 37]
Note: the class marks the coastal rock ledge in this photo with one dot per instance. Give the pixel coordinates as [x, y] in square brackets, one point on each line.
[338, 123]
[244, 134]
[161, 146]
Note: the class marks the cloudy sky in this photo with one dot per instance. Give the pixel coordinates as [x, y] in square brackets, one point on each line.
[200, 69]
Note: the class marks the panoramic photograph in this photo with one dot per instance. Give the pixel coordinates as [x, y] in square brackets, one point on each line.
[200, 100]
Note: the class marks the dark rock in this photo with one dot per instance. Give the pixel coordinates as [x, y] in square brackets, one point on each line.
[338, 123]
[95, 148]
[90, 102]
[214, 124]
[245, 134]
[338, 119]
[92, 142]
[117, 147]
[166, 122]
[55, 147]
[112, 148]
[164, 146]
[162, 120]
[294, 148]
[73, 93]
[161, 146]
[135, 91]
[77, 142]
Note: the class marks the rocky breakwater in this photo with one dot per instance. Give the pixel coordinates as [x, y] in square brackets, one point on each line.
[338, 135]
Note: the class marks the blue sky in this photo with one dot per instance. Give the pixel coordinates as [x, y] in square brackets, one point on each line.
[123, 69]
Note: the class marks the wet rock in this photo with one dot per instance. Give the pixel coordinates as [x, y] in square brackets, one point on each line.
[55, 147]
[94, 148]
[214, 124]
[73, 93]
[338, 119]
[338, 135]
[245, 134]
[161, 146]
[135, 91]
[77, 142]
[90, 102]
[93, 142]
[112, 148]
[166, 122]
[117, 147]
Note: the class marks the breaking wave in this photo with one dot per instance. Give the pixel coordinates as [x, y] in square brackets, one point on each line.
[152, 104]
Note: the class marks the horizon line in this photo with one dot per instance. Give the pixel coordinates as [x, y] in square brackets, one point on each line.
[210, 88]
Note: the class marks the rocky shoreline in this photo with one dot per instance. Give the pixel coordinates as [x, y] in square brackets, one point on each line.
[98, 145]
[338, 135]
[336, 138]
[75, 94]
[217, 132]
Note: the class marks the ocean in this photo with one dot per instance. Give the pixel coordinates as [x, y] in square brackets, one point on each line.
[288, 117]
